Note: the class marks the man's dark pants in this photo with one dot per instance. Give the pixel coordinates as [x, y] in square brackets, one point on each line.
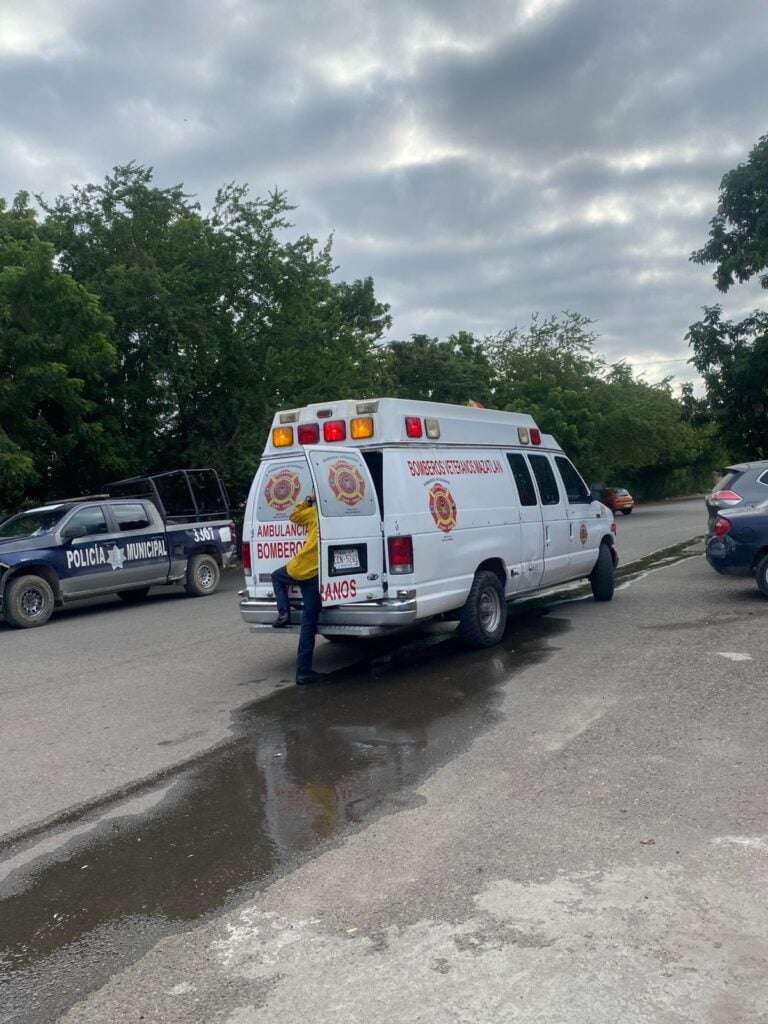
[310, 596]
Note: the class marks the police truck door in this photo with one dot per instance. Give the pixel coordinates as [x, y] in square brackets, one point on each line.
[349, 526]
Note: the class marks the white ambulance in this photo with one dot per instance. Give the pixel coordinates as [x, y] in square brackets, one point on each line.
[425, 511]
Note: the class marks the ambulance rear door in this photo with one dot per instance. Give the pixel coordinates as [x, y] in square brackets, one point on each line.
[349, 527]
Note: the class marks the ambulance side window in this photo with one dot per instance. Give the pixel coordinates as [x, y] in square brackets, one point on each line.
[575, 489]
[545, 478]
[523, 480]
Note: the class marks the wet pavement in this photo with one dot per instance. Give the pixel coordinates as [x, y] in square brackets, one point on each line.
[303, 768]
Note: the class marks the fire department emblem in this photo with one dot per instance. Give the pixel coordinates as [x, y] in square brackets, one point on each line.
[346, 481]
[443, 507]
[583, 533]
[282, 489]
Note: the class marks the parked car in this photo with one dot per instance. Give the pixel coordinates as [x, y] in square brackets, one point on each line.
[742, 485]
[738, 545]
[618, 499]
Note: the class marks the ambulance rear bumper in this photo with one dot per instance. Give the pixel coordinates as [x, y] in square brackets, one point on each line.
[364, 618]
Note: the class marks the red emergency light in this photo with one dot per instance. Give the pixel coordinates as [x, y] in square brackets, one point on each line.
[308, 433]
[335, 430]
[413, 427]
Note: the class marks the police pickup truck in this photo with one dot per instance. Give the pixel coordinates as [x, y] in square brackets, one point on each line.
[148, 531]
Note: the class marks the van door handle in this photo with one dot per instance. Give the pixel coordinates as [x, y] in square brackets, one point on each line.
[546, 535]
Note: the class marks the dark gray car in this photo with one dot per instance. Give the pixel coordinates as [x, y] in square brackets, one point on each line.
[742, 485]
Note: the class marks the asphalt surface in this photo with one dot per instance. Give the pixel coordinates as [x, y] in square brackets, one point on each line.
[569, 826]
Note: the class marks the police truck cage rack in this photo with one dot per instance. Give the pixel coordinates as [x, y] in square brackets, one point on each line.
[400, 421]
[180, 495]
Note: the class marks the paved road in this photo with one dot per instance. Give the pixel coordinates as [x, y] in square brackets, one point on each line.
[567, 827]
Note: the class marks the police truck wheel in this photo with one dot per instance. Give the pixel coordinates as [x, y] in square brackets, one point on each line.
[761, 576]
[28, 601]
[483, 618]
[203, 575]
[133, 596]
[601, 577]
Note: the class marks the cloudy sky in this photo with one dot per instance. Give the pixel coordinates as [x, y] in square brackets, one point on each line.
[481, 161]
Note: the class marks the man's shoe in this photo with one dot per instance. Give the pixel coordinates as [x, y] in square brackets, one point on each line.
[313, 678]
[283, 619]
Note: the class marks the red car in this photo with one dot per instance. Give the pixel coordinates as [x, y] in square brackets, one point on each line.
[618, 499]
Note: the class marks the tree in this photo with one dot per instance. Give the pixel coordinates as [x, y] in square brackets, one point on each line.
[456, 370]
[616, 428]
[738, 236]
[733, 361]
[55, 363]
[219, 319]
[733, 357]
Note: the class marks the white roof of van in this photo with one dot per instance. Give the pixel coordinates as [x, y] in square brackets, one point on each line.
[456, 424]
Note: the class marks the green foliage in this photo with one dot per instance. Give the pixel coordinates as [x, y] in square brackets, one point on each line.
[617, 429]
[738, 237]
[733, 357]
[55, 362]
[456, 370]
[733, 360]
[219, 320]
[139, 333]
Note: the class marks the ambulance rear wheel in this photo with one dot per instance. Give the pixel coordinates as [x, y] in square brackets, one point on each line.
[28, 602]
[601, 577]
[203, 575]
[483, 618]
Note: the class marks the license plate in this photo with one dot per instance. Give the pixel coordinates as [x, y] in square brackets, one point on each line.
[346, 558]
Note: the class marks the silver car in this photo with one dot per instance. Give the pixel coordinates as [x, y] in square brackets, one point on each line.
[742, 485]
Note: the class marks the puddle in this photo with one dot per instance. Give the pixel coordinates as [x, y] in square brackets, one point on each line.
[90, 895]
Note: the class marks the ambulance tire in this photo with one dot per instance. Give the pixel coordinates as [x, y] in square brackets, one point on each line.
[133, 596]
[27, 602]
[203, 575]
[601, 577]
[483, 618]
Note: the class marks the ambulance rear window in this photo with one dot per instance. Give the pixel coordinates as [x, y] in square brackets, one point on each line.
[523, 479]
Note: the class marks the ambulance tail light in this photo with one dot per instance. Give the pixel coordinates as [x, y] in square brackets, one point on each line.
[335, 430]
[361, 427]
[535, 435]
[246, 557]
[282, 436]
[413, 427]
[308, 433]
[400, 551]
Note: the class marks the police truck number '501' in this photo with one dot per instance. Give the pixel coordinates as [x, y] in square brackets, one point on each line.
[116, 545]
[424, 511]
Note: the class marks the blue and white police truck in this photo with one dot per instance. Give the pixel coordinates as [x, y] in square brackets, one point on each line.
[147, 531]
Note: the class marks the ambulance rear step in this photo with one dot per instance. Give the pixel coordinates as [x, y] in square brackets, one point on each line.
[363, 618]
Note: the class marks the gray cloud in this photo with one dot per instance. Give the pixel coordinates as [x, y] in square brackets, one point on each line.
[481, 162]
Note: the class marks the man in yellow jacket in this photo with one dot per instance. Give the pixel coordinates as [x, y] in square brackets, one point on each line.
[302, 571]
